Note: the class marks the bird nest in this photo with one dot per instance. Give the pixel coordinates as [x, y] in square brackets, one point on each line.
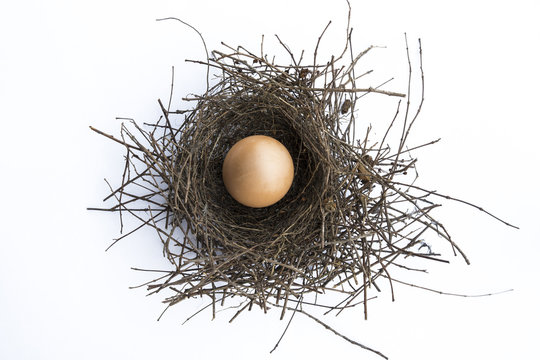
[352, 213]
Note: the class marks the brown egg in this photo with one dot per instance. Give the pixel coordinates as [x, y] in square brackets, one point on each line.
[258, 171]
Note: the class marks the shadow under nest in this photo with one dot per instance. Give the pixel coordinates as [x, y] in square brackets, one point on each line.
[346, 221]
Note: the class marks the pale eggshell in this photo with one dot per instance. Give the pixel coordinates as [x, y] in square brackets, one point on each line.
[258, 171]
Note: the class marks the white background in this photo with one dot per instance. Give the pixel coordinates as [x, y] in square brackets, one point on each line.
[65, 65]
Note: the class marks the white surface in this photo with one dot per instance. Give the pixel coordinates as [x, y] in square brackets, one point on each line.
[65, 65]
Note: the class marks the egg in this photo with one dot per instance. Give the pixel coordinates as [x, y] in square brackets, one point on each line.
[258, 171]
